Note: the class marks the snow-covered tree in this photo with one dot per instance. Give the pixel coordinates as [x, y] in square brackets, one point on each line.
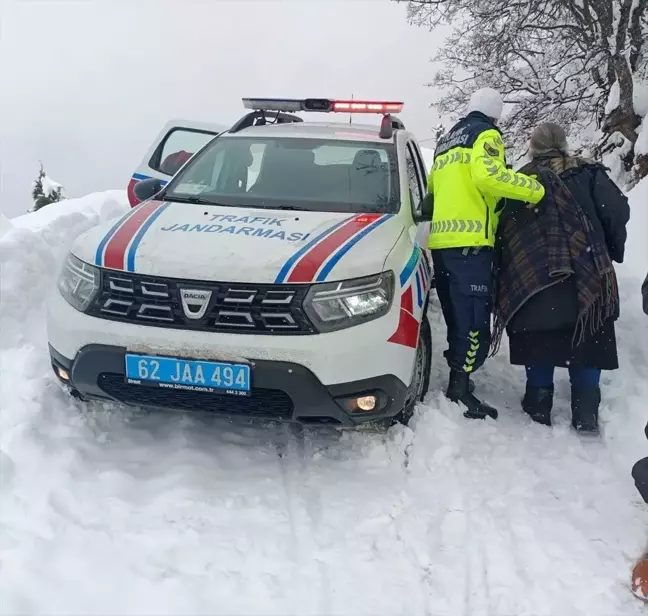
[581, 63]
[45, 190]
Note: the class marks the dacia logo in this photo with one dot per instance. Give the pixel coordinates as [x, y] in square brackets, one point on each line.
[200, 295]
[195, 302]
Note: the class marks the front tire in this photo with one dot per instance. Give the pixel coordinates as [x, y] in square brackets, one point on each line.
[420, 384]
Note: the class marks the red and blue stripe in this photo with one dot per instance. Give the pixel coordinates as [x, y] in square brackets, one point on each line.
[408, 325]
[316, 260]
[118, 248]
[410, 266]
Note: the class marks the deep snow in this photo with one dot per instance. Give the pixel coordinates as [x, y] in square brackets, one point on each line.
[113, 511]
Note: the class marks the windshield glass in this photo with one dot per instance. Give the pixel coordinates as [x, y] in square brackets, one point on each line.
[311, 174]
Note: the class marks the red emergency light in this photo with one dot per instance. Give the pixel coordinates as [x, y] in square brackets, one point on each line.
[367, 107]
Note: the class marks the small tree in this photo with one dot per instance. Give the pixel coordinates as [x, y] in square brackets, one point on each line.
[45, 190]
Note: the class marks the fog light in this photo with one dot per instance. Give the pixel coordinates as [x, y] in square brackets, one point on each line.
[366, 403]
[63, 374]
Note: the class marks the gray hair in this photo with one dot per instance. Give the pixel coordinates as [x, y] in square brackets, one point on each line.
[547, 137]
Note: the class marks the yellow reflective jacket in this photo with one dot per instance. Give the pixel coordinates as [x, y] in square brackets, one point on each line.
[468, 178]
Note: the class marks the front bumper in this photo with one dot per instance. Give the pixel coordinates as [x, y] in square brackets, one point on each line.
[280, 391]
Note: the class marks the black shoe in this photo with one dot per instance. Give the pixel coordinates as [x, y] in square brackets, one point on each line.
[537, 404]
[585, 403]
[459, 391]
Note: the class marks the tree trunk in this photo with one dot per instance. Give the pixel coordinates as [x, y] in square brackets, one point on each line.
[623, 119]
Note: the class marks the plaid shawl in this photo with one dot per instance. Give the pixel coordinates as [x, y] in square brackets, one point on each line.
[541, 245]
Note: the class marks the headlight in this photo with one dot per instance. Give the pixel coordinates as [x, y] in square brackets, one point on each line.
[338, 305]
[78, 282]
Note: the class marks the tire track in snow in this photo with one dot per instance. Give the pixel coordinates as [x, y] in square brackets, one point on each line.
[295, 449]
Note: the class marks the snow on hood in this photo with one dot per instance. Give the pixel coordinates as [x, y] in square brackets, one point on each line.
[180, 240]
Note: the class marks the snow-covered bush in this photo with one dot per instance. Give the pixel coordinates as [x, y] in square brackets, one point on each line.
[45, 190]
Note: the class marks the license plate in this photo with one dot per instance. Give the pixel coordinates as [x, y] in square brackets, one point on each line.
[191, 375]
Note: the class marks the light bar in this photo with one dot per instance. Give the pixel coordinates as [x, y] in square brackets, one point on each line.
[322, 105]
[367, 107]
[273, 104]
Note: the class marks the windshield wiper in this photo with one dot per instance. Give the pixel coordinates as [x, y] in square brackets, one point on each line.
[195, 199]
[295, 208]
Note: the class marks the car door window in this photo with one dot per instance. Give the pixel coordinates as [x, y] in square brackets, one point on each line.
[414, 179]
[177, 148]
[418, 158]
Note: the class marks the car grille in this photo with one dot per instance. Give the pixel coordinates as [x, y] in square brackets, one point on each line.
[235, 308]
[268, 403]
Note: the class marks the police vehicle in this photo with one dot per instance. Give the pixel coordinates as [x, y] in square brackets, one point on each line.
[276, 269]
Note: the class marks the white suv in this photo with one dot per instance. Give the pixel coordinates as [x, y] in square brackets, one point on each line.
[280, 273]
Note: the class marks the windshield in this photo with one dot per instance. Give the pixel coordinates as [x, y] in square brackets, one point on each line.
[310, 174]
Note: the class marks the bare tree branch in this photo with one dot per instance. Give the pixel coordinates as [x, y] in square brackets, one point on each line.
[551, 59]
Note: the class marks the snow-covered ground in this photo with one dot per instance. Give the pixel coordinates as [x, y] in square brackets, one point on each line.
[113, 511]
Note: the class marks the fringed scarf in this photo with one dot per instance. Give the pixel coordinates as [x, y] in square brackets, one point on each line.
[547, 243]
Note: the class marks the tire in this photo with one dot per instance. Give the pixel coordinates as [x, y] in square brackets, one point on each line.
[421, 379]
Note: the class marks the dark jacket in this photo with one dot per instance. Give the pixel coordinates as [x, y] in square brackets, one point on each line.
[644, 292]
[541, 331]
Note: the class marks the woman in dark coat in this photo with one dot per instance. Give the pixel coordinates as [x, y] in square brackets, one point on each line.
[556, 293]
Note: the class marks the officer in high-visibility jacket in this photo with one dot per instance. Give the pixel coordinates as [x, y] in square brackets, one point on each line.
[468, 179]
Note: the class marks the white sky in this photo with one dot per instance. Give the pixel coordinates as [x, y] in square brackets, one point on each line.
[87, 84]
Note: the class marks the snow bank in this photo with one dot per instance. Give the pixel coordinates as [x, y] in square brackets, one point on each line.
[114, 511]
[55, 214]
[31, 250]
[636, 261]
[5, 224]
[627, 389]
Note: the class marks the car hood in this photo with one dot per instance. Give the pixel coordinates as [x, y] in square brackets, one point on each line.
[198, 242]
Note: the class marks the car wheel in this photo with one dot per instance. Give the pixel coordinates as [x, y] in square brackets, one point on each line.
[421, 378]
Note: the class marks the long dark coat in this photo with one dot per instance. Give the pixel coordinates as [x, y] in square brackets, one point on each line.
[541, 331]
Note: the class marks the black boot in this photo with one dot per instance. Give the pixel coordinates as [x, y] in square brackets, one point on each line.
[459, 391]
[537, 404]
[585, 408]
[471, 383]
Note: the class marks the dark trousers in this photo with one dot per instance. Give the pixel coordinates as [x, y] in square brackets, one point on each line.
[464, 281]
[542, 375]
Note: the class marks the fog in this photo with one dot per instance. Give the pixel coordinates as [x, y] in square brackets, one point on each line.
[88, 84]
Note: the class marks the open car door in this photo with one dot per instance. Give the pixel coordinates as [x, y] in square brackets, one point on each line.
[178, 141]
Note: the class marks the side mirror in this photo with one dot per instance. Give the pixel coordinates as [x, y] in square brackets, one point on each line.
[426, 208]
[147, 188]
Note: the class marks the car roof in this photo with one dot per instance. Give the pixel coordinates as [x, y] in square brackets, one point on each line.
[316, 130]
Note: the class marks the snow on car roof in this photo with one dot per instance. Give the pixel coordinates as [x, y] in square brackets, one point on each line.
[316, 130]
